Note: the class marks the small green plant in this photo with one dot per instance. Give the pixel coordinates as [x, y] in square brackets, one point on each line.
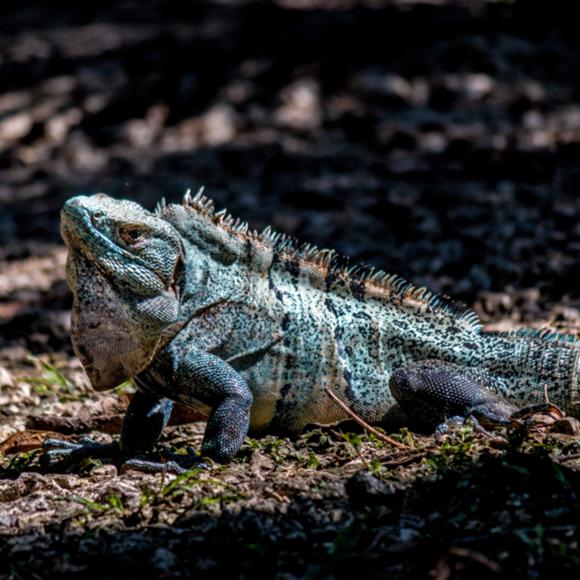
[313, 461]
[375, 467]
[126, 388]
[116, 503]
[455, 451]
[253, 443]
[50, 382]
[318, 439]
[272, 444]
[183, 482]
[22, 461]
[113, 503]
[407, 437]
[188, 483]
[353, 439]
[309, 461]
[533, 538]
[217, 500]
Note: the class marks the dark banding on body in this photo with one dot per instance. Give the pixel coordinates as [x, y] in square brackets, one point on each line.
[271, 284]
[330, 278]
[349, 391]
[293, 268]
[358, 289]
[328, 302]
[285, 410]
[285, 322]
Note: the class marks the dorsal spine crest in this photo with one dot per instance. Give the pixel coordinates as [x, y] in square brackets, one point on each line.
[377, 284]
[544, 334]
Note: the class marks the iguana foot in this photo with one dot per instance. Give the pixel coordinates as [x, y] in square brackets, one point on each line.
[61, 453]
[175, 463]
[69, 452]
[456, 421]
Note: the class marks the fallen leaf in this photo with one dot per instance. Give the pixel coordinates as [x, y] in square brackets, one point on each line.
[26, 441]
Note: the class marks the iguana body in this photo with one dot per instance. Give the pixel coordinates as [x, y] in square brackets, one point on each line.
[196, 308]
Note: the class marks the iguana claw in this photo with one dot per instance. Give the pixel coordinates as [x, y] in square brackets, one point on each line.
[177, 464]
[76, 452]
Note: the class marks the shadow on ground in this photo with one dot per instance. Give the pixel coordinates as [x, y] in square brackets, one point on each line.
[511, 513]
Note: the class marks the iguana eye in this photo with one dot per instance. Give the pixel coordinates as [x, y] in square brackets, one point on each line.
[131, 234]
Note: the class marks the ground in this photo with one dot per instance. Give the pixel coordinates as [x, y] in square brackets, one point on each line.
[437, 140]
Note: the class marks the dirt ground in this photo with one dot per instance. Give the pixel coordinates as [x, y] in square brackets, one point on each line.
[438, 140]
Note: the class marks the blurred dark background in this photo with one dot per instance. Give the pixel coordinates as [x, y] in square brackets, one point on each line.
[439, 140]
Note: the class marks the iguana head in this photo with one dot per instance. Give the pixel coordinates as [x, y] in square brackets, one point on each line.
[122, 267]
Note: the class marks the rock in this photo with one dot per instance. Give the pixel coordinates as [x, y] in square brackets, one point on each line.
[15, 127]
[364, 489]
[6, 379]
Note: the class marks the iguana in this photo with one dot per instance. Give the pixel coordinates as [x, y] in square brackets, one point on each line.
[254, 327]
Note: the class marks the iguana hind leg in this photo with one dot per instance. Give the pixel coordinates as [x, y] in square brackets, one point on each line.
[432, 391]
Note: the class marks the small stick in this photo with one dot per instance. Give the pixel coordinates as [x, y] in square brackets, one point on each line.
[363, 423]
[403, 461]
[477, 557]
[569, 457]
[546, 397]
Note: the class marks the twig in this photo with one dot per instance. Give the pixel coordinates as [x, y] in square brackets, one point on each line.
[540, 408]
[569, 457]
[546, 397]
[476, 557]
[363, 423]
[404, 461]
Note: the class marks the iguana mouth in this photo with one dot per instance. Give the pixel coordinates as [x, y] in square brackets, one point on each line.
[78, 226]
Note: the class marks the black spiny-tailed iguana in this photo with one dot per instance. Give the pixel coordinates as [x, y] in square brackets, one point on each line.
[254, 328]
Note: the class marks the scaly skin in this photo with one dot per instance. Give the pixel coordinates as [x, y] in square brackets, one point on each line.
[254, 328]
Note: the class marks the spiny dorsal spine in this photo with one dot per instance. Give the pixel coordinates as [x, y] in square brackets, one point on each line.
[546, 334]
[379, 284]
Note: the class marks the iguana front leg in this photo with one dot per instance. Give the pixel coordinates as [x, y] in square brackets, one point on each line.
[202, 377]
[198, 376]
[145, 419]
[205, 377]
[433, 391]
